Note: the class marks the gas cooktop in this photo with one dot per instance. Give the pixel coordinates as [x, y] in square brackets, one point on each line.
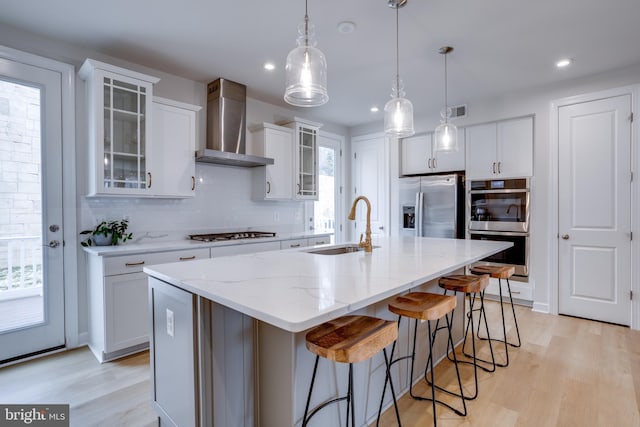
[235, 235]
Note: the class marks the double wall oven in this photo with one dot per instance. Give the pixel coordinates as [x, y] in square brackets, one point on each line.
[499, 210]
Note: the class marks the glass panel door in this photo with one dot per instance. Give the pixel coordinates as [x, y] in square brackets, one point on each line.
[328, 205]
[124, 135]
[31, 275]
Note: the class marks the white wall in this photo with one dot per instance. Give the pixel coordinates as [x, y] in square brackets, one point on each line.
[538, 102]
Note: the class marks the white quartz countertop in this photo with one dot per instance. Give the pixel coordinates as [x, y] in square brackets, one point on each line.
[176, 245]
[296, 290]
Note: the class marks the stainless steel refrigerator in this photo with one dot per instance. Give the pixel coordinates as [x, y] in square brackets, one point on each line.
[432, 206]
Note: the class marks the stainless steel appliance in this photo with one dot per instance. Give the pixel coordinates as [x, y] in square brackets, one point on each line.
[432, 206]
[226, 126]
[499, 205]
[499, 210]
[233, 235]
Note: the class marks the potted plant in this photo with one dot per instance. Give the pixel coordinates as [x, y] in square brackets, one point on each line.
[107, 233]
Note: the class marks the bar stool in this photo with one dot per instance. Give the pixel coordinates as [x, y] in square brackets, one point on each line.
[425, 306]
[501, 272]
[350, 339]
[471, 286]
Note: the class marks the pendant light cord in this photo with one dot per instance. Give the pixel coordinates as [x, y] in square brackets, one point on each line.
[306, 22]
[446, 115]
[397, 51]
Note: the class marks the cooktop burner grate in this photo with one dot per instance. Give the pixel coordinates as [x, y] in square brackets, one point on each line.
[236, 235]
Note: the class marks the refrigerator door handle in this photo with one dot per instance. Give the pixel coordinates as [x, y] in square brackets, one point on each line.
[419, 212]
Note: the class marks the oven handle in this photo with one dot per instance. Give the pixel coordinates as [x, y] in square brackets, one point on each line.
[500, 233]
[505, 191]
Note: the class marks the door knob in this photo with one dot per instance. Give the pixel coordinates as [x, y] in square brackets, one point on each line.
[54, 227]
[565, 237]
[54, 244]
[381, 228]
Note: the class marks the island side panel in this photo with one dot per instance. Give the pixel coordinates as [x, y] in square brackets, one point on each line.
[174, 374]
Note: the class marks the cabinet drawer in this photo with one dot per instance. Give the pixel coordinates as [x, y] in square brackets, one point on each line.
[134, 263]
[313, 241]
[296, 243]
[244, 249]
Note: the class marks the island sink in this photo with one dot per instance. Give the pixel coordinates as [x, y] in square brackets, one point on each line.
[338, 250]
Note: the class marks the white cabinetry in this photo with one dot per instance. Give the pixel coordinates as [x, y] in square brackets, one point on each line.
[500, 149]
[174, 140]
[419, 157]
[118, 309]
[119, 101]
[305, 158]
[273, 182]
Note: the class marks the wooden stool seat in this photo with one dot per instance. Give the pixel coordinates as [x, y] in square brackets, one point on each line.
[464, 283]
[351, 339]
[495, 271]
[423, 305]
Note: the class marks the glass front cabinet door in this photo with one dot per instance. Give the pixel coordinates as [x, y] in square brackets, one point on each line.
[119, 103]
[305, 186]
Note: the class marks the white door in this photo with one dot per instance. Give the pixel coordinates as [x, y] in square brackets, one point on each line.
[370, 173]
[31, 255]
[594, 209]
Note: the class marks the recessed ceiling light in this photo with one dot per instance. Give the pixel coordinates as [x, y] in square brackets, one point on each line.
[269, 66]
[563, 63]
[374, 109]
[346, 27]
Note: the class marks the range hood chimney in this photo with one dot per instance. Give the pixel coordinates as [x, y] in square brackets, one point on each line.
[226, 126]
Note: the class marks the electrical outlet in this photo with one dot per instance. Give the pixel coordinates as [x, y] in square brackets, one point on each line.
[170, 323]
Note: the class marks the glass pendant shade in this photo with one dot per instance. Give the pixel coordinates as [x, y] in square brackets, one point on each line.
[306, 72]
[398, 114]
[446, 137]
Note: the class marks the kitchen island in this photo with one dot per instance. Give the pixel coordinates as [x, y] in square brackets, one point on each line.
[228, 333]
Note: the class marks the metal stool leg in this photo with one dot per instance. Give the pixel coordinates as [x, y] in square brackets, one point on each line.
[305, 420]
[515, 319]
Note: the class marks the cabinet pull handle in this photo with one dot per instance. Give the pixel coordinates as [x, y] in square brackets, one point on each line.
[429, 163]
[321, 242]
[499, 164]
[133, 264]
[150, 181]
[435, 165]
[187, 258]
[268, 187]
[193, 183]
[515, 292]
[494, 167]
[297, 245]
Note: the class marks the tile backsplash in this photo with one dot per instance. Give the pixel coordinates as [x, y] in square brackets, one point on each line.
[222, 202]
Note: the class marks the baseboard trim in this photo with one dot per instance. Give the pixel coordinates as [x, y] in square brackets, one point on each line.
[541, 308]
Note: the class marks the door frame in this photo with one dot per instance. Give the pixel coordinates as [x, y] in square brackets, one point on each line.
[553, 202]
[69, 224]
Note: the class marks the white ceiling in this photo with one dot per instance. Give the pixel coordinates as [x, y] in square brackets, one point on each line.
[500, 45]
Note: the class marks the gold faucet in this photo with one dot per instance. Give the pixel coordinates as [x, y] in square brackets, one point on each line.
[366, 243]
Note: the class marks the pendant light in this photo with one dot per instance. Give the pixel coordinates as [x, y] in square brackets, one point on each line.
[306, 69]
[398, 111]
[446, 134]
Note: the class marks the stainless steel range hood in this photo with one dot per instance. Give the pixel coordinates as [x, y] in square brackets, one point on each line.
[226, 126]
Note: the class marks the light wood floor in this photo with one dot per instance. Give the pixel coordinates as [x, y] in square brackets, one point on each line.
[568, 372]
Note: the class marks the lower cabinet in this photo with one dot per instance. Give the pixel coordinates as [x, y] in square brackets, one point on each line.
[118, 302]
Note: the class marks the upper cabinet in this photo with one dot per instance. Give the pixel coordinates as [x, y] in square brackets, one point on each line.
[174, 140]
[139, 145]
[305, 158]
[273, 182]
[418, 156]
[500, 149]
[119, 152]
